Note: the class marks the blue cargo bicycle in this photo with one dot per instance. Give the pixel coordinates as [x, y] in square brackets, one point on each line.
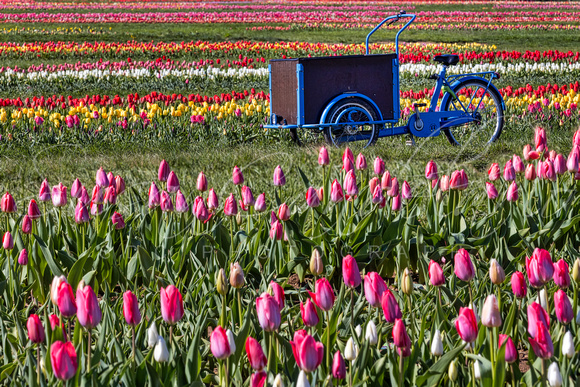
[356, 98]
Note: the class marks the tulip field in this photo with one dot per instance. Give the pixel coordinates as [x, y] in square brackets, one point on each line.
[154, 233]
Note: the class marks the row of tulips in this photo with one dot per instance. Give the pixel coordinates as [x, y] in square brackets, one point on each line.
[159, 262]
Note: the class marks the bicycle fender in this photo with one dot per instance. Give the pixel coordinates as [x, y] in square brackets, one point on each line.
[446, 96]
[339, 98]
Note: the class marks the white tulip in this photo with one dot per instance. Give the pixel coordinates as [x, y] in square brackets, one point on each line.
[568, 345]
[152, 335]
[231, 340]
[358, 330]
[371, 333]
[278, 381]
[477, 370]
[160, 353]
[436, 344]
[554, 376]
[543, 299]
[350, 350]
[302, 380]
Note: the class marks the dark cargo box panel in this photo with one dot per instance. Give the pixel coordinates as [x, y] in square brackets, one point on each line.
[328, 77]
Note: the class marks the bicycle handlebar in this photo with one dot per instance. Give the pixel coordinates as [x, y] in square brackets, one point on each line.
[393, 19]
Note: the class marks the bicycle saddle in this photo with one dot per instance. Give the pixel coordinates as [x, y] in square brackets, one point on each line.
[447, 60]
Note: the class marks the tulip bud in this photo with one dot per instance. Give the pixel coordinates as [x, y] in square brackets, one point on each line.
[278, 381]
[220, 283]
[543, 299]
[323, 158]
[23, 257]
[407, 282]
[437, 344]
[316, 265]
[453, 372]
[35, 329]
[496, 273]
[338, 366]
[554, 376]
[568, 349]
[160, 353]
[576, 270]
[236, 276]
[350, 350]
[152, 335]
[279, 177]
[26, 225]
[308, 313]
[7, 241]
[371, 333]
[477, 370]
[237, 176]
[490, 315]
[358, 331]
[302, 380]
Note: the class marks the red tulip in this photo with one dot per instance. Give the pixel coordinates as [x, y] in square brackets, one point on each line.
[436, 276]
[26, 225]
[542, 342]
[530, 173]
[219, 343]
[540, 268]
[63, 359]
[154, 197]
[361, 162]
[379, 167]
[338, 366]
[540, 139]
[268, 312]
[512, 192]
[336, 194]
[201, 182]
[350, 272]
[401, 338]
[59, 195]
[561, 274]
[518, 164]
[278, 293]
[163, 172]
[464, 269]
[492, 193]
[7, 203]
[324, 295]
[493, 172]
[230, 206]
[466, 325]
[88, 310]
[458, 180]
[66, 300]
[308, 313]
[237, 176]
[323, 158]
[563, 307]
[307, 352]
[279, 177]
[431, 171]
[511, 355]
[509, 173]
[35, 329]
[350, 186]
[391, 308]
[258, 379]
[255, 354]
[44, 193]
[519, 286]
[374, 286]
[312, 199]
[131, 308]
[171, 304]
[394, 188]
[536, 314]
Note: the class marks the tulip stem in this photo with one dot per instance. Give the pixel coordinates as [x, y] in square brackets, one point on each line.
[227, 372]
[170, 333]
[328, 340]
[350, 373]
[240, 306]
[38, 363]
[89, 352]
[352, 308]
[492, 353]
[133, 341]
[223, 316]
[231, 237]
[401, 362]
[543, 372]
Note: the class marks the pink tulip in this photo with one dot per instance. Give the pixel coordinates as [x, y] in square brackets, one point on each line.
[431, 171]
[119, 185]
[163, 172]
[98, 196]
[81, 213]
[255, 354]
[509, 173]
[219, 343]
[200, 210]
[466, 325]
[35, 329]
[436, 276]
[260, 205]
[394, 190]
[377, 197]
[212, 201]
[350, 186]
[444, 183]
[490, 314]
[320, 193]
[350, 272]
[336, 194]
[512, 192]
[111, 195]
[66, 300]
[348, 155]
[519, 286]
[237, 176]
[84, 196]
[511, 354]
[458, 180]
[308, 313]
[563, 307]
[59, 195]
[284, 212]
[526, 152]
[181, 205]
[101, 178]
[407, 194]
[276, 230]
[88, 310]
[63, 359]
[492, 193]
[379, 166]
[560, 165]
[561, 274]
[75, 190]
[576, 138]
[258, 379]
[391, 309]
[230, 206]
[268, 312]
[7, 241]
[33, 210]
[44, 193]
[338, 366]
[530, 173]
[154, 196]
[323, 158]
[374, 286]
[540, 268]
[171, 305]
[26, 225]
[386, 181]
[396, 206]
[278, 293]
[201, 182]
[536, 314]
[464, 269]
[542, 342]
[324, 295]
[548, 171]
[118, 221]
[165, 203]
[307, 352]
[172, 182]
[312, 199]
[347, 165]
[540, 139]
[374, 183]
[401, 338]
[518, 164]
[279, 177]
[361, 162]
[493, 172]
[131, 308]
[573, 159]
[23, 257]
[247, 197]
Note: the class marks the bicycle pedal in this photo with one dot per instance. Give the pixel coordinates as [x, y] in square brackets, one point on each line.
[433, 76]
[419, 104]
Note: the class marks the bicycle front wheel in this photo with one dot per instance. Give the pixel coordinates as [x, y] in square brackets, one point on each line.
[483, 105]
